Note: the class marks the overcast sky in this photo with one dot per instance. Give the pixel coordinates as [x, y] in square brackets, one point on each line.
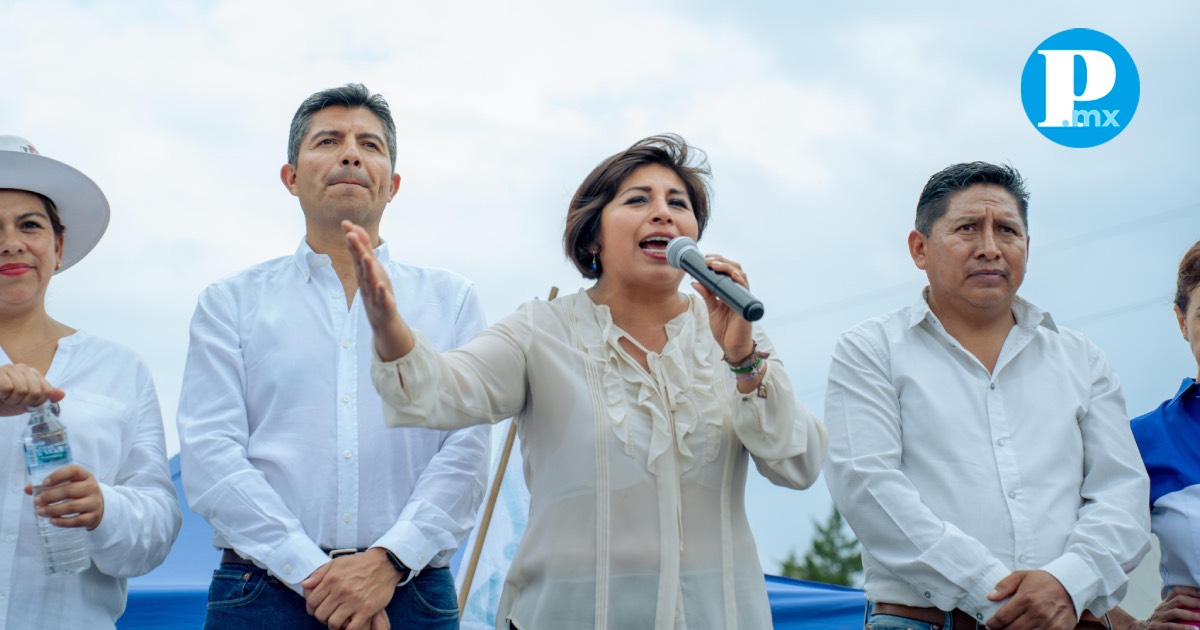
[821, 121]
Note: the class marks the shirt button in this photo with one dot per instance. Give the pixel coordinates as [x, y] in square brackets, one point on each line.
[345, 398]
[287, 568]
[1012, 494]
[927, 595]
[10, 539]
[345, 343]
[421, 559]
[979, 616]
[347, 518]
[1001, 442]
[993, 386]
[333, 296]
[1022, 558]
[346, 454]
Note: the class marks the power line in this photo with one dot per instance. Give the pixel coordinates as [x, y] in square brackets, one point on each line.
[905, 287]
[1158, 300]
[1123, 228]
[1078, 322]
[1126, 227]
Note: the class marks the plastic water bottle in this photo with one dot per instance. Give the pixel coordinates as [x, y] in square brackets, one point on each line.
[46, 450]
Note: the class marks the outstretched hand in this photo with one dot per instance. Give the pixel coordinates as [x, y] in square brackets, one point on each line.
[373, 283]
[393, 339]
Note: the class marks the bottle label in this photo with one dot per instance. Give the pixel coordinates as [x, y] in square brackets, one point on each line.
[53, 453]
[46, 455]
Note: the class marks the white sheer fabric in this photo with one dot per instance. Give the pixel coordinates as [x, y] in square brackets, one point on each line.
[636, 477]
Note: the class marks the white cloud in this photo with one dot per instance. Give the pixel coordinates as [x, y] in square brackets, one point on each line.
[821, 124]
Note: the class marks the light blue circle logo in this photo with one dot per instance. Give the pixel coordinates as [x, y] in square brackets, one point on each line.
[1080, 88]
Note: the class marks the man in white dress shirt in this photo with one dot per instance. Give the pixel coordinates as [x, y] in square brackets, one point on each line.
[980, 452]
[326, 517]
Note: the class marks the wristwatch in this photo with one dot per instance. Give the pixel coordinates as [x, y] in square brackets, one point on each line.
[400, 566]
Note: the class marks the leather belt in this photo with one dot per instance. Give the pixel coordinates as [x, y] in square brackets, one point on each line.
[935, 616]
[229, 556]
[962, 620]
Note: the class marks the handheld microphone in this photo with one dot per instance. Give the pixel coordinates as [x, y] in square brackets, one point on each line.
[682, 253]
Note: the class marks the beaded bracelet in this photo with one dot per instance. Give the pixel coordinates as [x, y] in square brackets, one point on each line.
[747, 366]
[745, 363]
[750, 373]
[750, 368]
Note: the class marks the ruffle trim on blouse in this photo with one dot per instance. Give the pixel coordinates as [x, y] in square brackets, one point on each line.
[690, 386]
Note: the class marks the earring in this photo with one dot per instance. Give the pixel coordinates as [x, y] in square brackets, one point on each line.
[58, 266]
[593, 262]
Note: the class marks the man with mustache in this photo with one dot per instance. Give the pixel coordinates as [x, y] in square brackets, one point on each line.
[980, 452]
[325, 516]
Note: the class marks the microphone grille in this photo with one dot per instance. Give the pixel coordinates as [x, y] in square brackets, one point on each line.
[676, 247]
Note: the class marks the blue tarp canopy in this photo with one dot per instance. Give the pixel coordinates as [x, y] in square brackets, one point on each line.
[174, 595]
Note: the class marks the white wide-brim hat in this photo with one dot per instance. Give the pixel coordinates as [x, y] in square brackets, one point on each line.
[81, 205]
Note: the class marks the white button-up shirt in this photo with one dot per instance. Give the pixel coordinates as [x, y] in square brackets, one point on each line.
[116, 433]
[953, 477]
[283, 445]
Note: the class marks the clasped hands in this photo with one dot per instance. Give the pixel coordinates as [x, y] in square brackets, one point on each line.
[352, 592]
[1036, 600]
[1179, 611]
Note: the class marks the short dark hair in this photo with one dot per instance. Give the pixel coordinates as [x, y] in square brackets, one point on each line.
[1188, 278]
[946, 183]
[604, 182]
[350, 96]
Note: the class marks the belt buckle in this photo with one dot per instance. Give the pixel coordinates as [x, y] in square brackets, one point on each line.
[337, 553]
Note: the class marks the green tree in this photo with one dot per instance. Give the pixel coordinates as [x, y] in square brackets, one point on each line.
[834, 557]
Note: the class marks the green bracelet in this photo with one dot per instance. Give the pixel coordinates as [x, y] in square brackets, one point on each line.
[749, 368]
[752, 373]
[748, 361]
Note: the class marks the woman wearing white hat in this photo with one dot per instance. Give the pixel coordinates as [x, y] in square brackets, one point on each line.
[119, 488]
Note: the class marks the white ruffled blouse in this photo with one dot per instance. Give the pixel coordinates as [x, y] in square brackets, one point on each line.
[637, 477]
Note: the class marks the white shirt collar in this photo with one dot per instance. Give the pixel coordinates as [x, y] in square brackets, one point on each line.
[1025, 312]
[309, 261]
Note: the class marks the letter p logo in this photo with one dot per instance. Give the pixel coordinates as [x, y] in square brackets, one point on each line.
[1080, 88]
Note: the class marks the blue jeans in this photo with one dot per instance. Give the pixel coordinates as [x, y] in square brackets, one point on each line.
[245, 597]
[892, 622]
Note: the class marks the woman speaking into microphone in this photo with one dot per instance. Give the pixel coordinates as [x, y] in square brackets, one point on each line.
[639, 408]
